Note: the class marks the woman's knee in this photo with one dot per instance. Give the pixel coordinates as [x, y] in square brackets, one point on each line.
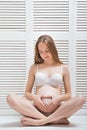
[81, 100]
[11, 99]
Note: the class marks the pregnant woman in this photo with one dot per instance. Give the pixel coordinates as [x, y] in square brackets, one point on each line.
[48, 75]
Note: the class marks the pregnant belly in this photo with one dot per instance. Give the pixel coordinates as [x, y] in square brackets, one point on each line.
[47, 91]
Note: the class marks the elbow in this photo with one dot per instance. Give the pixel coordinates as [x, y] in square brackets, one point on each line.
[26, 93]
[68, 95]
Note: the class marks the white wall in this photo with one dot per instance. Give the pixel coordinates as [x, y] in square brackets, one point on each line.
[22, 22]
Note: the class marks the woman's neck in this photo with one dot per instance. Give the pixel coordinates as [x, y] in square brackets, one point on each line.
[52, 63]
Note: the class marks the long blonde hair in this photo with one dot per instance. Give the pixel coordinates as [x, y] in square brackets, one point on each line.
[46, 39]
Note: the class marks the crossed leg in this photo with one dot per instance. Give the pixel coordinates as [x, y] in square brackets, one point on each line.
[27, 121]
[23, 106]
[64, 111]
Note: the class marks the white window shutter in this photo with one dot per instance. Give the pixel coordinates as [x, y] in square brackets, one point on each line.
[51, 15]
[12, 15]
[12, 51]
[81, 69]
[81, 50]
[82, 15]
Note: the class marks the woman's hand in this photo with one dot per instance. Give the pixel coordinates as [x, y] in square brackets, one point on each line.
[54, 104]
[56, 100]
[46, 100]
[38, 103]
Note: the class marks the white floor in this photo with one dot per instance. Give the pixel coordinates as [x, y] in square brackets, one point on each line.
[13, 123]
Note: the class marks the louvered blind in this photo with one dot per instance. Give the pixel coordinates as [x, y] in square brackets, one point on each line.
[12, 15]
[82, 15]
[12, 69]
[81, 69]
[81, 50]
[51, 15]
[12, 50]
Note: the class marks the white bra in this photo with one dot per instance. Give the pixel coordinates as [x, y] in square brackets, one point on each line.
[54, 80]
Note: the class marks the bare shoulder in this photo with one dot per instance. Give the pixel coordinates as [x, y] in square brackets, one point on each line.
[33, 68]
[65, 69]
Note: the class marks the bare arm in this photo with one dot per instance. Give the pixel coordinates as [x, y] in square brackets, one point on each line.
[67, 84]
[30, 82]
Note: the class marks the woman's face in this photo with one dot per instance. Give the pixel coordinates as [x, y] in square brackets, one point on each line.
[44, 52]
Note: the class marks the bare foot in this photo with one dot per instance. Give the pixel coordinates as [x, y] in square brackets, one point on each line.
[61, 121]
[27, 121]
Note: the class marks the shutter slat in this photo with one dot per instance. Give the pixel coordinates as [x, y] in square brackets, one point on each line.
[51, 15]
[81, 15]
[81, 68]
[12, 15]
[12, 69]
